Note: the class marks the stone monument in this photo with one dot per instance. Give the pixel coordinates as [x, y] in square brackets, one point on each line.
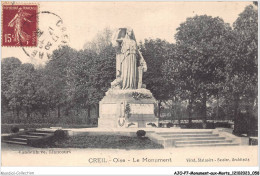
[127, 103]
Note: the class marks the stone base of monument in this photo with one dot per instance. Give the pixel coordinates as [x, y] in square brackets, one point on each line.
[127, 109]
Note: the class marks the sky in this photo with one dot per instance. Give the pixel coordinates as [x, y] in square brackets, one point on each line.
[148, 19]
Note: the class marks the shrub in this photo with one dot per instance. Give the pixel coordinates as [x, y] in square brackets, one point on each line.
[222, 125]
[140, 133]
[15, 129]
[60, 134]
[210, 126]
[169, 125]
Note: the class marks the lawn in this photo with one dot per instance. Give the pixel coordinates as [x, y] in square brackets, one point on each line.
[106, 141]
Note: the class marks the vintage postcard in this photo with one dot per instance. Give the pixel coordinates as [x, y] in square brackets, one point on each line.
[130, 84]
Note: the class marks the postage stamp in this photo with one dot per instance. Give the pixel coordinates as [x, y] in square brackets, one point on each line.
[19, 25]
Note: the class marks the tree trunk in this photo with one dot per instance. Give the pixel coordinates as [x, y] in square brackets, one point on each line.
[97, 110]
[13, 116]
[217, 114]
[43, 117]
[252, 117]
[159, 109]
[190, 106]
[18, 115]
[204, 104]
[173, 109]
[58, 111]
[236, 112]
[28, 115]
[86, 117]
[89, 109]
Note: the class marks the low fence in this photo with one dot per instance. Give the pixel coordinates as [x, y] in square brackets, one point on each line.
[196, 124]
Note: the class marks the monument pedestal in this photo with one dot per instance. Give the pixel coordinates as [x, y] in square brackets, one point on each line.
[131, 108]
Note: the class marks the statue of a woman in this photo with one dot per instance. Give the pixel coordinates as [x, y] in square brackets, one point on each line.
[129, 62]
[129, 70]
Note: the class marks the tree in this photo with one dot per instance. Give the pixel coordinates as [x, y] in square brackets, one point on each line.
[22, 90]
[8, 66]
[155, 53]
[242, 68]
[100, 41]
[41, 105]
[200, 53]
[80, 81]
[58, 78]
[92, 72]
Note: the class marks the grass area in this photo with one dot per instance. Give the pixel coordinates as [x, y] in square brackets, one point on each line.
[107, 141]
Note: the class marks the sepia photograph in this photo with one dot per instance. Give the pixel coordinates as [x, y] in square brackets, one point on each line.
[147, 84]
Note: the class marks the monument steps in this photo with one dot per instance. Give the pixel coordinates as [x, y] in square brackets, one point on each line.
[188, 135]
[185, 132]
[15, 142]
[46, 130]
[197, 138]
[37, 133]
[29, 136]
[206, 145]
[19, 139]
[202, 141]
[193, 138]
[22, 139]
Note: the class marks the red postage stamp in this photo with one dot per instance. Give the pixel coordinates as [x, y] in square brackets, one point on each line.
[19, 25]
